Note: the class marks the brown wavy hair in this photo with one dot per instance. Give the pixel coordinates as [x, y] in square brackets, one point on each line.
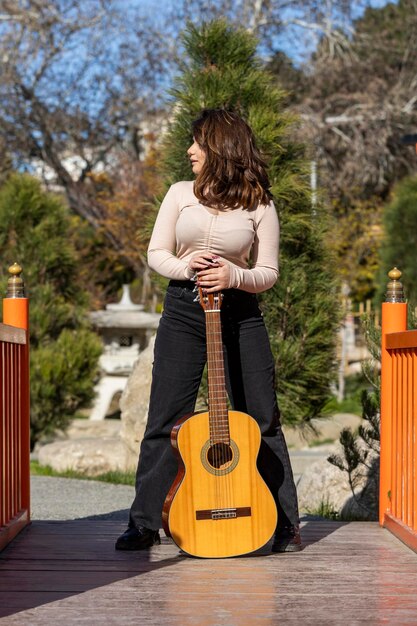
[234, 172]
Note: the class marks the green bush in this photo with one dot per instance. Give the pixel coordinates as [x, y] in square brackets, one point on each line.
[36, 231]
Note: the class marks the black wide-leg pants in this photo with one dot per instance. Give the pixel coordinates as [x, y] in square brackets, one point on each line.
[179, 360]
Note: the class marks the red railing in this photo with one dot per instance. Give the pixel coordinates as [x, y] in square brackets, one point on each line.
[14, 416]
[398, 465]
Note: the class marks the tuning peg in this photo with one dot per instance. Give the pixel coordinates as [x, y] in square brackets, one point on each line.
[197, 298]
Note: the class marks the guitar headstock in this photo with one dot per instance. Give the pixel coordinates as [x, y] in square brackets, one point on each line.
[210, 301]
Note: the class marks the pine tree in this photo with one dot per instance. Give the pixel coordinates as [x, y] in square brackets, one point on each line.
[35, 230]
[222, 70]
[400, 243]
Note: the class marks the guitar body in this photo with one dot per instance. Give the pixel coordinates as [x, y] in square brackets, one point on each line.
[219, 505]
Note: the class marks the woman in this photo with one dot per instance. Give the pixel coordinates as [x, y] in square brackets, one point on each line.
[209, 231]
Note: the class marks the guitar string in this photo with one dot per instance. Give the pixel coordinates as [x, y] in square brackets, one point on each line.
[224, 418]
[220, 420]
[212, 408]
[211, 404]
[219, 424]
[207, 318]
[228, 476]
[224, 478]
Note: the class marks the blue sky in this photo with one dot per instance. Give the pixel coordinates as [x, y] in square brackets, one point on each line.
[298, 43]
[89, 91]
[293, 42]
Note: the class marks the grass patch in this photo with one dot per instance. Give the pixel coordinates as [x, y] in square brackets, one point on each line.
[115, 477]
[350, 405]
[320, 442]
[326, 510]
[354, 385]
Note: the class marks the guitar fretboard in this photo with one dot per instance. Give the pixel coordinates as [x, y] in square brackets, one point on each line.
[218, 413]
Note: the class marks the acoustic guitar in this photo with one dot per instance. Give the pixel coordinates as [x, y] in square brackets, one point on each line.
[219, 505]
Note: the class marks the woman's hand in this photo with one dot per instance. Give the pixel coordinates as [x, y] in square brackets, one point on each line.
[212, 272]
[216, 277]
[202, 261]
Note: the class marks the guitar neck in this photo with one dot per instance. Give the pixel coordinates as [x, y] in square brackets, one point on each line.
[218, 412]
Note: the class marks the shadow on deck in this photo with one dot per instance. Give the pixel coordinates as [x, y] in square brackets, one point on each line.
[69, 573]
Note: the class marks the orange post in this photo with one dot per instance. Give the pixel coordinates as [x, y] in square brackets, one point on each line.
[16, 313]
[414, 438]
[394, 319]
[15, 305]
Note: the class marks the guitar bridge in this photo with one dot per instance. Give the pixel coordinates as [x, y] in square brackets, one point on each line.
[228, 513]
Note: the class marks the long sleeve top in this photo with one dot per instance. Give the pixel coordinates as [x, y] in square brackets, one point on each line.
[246, 239]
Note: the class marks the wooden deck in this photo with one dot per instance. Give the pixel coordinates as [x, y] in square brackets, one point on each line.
[68, 572]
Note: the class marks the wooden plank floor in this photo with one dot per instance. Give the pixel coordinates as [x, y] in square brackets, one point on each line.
[64, 573]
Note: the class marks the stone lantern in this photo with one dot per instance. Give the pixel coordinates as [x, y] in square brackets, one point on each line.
[126, 330]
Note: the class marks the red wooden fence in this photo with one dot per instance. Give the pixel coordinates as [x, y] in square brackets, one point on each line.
[14, 414]
[398, 481]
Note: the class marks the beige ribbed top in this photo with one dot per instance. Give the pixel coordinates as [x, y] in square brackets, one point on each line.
[184, 227]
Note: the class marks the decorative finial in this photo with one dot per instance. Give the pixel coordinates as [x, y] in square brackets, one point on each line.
[15, 285]
[395, 292]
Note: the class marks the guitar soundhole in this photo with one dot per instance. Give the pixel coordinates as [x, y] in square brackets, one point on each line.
[220, 458]
[220, 455]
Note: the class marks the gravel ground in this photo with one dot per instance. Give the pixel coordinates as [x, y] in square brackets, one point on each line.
[67, 498]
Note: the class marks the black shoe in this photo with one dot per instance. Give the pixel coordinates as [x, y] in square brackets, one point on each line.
[138, 539]
[287, 539]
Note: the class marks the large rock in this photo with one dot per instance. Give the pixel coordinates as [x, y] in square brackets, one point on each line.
[90, 456]
[134, 404]
[82, 428]
[324, 486]
[324, 429]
